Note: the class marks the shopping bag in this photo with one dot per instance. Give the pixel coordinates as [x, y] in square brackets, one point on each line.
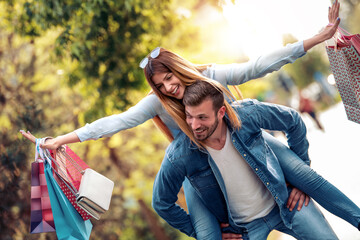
[95, 192]
[41, 216]
[345, 65]
[87, 190]
[69, 168]
[68, 223]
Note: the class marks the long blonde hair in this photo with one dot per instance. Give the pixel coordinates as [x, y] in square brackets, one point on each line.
[188, 74]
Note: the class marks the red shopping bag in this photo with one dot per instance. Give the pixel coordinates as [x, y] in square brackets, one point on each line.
[344, 60]
[68, 168]
[42, 219]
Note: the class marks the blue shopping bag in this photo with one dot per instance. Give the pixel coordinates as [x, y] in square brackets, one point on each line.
[68, 222]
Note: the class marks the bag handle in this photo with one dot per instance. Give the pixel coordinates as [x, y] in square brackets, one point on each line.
[46, 156]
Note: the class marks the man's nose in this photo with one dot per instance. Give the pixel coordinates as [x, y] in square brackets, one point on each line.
[195, 124]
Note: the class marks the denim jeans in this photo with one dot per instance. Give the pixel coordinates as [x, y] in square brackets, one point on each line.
[307, 180]
[308, 223]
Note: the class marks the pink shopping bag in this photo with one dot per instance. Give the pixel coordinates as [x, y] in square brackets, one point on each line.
[344, 60]
[42, 219]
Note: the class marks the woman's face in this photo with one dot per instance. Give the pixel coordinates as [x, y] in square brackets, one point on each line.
[169, 85]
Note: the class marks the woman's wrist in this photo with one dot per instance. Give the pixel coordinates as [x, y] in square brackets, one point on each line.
[315, 40]
[65, 139]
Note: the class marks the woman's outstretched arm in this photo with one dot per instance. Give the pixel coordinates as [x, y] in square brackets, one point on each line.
[53, 143]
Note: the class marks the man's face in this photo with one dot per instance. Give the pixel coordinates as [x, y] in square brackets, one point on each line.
[202, 119]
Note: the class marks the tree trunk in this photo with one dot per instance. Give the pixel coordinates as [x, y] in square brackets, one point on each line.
[153, 222]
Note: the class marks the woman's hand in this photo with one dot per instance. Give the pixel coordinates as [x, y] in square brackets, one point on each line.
[50, 143]
[334, 20]
[229, 236]
[333, 14]
[329, 31]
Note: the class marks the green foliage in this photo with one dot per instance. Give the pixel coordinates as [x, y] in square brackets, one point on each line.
[104, 39]
[67, 63]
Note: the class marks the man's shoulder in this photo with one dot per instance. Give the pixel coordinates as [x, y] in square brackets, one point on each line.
[180, 146]
[245, 107]
[244, 103]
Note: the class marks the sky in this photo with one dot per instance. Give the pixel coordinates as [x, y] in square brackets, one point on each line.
[257, 26]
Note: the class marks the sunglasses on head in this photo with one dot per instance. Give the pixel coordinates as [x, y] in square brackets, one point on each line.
[153, 54]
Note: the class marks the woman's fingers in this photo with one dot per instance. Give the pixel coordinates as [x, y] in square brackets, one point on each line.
[334, 12]
[28, 135]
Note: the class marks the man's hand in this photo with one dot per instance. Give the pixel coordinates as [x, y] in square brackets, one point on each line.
[297, 196]
[229, 236]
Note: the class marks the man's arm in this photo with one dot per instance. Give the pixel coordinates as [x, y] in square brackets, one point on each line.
[166, 188]
[281, 118]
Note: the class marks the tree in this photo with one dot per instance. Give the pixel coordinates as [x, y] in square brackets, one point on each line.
[105, 40]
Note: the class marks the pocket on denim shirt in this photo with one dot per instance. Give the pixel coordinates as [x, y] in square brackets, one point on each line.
[254, 140]
[204, 178]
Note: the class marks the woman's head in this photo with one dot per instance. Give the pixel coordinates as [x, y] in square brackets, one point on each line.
[168, 74]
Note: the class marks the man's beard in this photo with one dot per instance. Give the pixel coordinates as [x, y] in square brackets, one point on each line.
[209, 131]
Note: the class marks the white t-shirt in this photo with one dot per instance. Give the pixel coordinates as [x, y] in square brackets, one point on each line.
[248, 197]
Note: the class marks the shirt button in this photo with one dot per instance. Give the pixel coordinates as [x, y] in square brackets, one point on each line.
[267, 183]
[244, 155]
[256, 169]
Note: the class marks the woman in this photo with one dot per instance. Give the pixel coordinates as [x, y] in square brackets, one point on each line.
[169, 83]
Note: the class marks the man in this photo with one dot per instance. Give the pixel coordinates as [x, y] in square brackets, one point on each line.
[233, 171]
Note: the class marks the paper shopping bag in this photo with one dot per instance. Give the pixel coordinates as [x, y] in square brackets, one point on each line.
[42, 219]
[69, 168]
[345, 65]
[69, 224]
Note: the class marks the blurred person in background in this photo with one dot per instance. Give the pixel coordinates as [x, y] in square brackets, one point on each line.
[306, 105]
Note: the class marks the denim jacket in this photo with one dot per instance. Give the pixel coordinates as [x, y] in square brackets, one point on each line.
[226, 74]
[184, 160]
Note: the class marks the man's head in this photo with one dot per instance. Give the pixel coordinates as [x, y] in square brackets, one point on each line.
[204, 108]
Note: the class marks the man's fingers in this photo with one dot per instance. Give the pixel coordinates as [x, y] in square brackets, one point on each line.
[294, 201]
[223, 225]
[231, 236]
[307, 200]
[301, 201]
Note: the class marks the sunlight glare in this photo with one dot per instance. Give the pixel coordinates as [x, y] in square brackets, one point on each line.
[258, 26]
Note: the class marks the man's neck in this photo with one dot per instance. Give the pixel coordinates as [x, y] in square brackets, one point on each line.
[218, 138]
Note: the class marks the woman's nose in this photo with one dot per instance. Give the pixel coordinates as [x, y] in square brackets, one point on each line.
[167, 87]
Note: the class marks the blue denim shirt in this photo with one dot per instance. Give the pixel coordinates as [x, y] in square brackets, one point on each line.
[184, 160]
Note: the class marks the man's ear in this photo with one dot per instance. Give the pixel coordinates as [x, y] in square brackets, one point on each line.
[221, 112]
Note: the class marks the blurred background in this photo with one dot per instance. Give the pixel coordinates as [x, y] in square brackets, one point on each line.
[67, 63]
